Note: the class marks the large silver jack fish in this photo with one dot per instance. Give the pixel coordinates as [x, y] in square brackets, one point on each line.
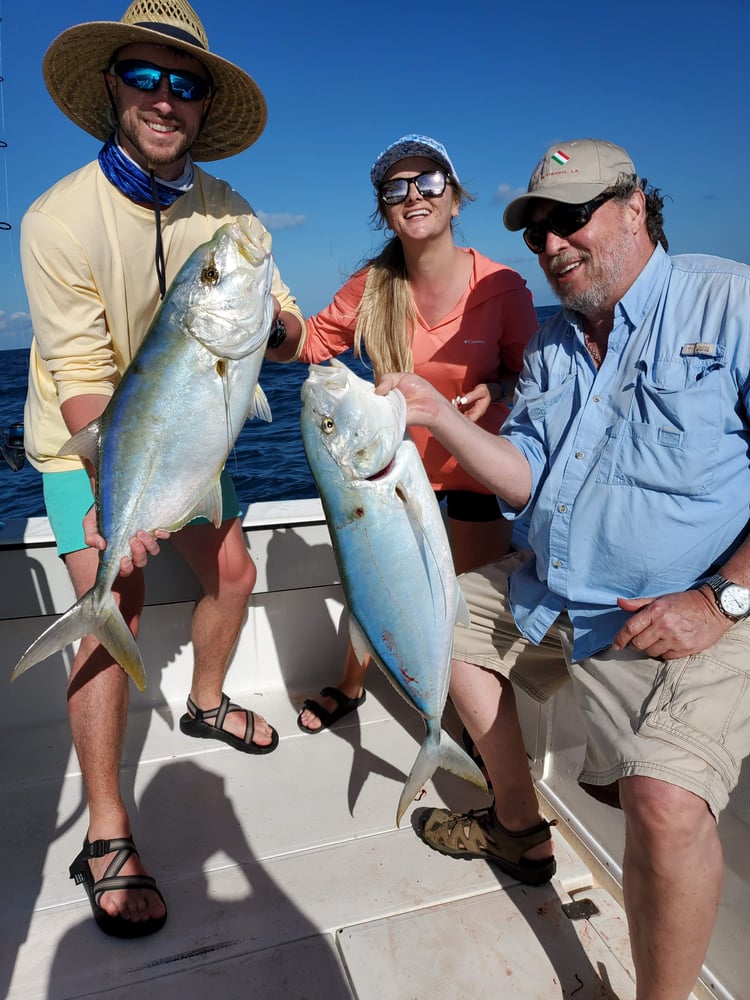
[160, 445]
[391, 550]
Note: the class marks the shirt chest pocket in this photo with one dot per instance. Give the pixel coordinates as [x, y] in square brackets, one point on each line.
[550, 412]
[669, 442]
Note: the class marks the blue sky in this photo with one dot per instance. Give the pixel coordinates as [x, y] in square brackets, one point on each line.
[496, 82]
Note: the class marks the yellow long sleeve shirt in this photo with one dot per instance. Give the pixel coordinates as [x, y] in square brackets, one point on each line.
[87, 254]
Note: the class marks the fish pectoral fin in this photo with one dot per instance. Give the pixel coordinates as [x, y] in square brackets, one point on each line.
[259, 406]
[86, 443]
[360, 645]
[209, 506]
[431, 556]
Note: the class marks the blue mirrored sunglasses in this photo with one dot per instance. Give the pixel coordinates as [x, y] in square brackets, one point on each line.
[147, 76]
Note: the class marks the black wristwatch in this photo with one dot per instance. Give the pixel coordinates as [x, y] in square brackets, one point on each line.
[732, 599]
[278, 334]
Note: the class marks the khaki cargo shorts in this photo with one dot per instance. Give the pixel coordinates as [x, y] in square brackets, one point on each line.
[683, 721]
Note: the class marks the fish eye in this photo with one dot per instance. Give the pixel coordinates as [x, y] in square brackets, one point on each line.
[210, 274]
[327, 425]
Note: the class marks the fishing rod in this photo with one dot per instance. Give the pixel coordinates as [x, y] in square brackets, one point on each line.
[3, 144]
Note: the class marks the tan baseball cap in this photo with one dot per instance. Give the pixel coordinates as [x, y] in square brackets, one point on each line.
[572, 172]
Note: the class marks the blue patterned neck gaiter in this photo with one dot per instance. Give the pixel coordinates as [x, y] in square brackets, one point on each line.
[135, 183]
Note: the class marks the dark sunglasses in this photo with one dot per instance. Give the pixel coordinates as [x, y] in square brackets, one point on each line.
[430, 184]
[562, 221]
[147, 76]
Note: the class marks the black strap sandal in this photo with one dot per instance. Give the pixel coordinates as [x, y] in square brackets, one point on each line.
[194, 723]
[344, 705]
[80, 871]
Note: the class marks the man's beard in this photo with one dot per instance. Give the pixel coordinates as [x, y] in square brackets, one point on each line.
[158, 160]
[604, 275]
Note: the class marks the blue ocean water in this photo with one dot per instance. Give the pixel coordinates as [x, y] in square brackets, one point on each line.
[268, 462]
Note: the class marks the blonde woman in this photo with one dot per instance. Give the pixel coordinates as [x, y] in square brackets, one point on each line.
[449, 314]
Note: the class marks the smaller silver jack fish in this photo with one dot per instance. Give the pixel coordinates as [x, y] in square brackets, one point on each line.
[391, 550]
[160, 445]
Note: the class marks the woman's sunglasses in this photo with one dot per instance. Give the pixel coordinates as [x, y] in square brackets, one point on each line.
[562, 221]
[430, 184]
[147, 76]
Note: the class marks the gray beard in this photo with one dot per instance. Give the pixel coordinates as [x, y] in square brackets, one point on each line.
[598, 294]
[591, 300]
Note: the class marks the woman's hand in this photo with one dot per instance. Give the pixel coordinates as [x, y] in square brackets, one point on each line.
[475, 403]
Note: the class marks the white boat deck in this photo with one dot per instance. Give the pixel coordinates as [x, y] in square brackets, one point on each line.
[285, 875]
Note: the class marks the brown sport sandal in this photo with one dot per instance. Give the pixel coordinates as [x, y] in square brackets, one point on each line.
[477, 834]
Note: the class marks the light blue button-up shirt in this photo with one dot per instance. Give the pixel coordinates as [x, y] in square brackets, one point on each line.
[641, 470]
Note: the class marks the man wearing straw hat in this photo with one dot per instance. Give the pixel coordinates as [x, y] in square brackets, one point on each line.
[98, 252]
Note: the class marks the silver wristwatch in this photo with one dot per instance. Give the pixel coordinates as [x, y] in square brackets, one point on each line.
[732, 598]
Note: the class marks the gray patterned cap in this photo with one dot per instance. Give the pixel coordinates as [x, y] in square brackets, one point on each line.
[410, 145]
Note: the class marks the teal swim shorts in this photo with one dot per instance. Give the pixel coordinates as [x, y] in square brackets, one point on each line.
[67, 497]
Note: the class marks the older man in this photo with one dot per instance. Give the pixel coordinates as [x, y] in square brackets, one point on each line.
[98, 251]
[627, 452]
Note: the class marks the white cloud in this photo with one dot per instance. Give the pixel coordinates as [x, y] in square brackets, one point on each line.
[15, 330]
[275, 221]
[505, 193]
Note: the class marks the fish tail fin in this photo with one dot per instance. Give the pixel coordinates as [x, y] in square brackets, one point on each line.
[455, 759]
[90, 615]
[438, 749]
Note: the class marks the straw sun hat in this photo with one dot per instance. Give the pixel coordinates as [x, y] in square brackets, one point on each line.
[74, 62]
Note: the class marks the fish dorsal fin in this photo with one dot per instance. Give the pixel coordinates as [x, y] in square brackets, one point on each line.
[85, 443]
[259, 406]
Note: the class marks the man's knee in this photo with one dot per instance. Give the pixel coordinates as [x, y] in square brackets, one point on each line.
[219, 558]
[662, 815]
[244, 574]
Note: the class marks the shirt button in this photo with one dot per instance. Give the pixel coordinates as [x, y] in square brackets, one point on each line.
[597, 399]
[556, 564]
[579, 454]
[562, 508]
